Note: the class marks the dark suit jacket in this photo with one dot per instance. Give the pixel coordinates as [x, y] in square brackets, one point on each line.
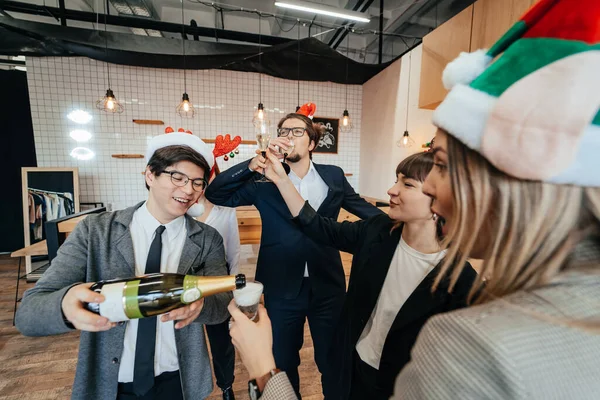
[373, 247]
[284, 249]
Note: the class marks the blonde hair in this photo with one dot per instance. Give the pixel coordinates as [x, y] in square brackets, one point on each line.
[532, 227]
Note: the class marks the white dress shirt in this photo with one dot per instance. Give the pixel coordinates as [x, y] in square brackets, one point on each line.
[312, 188]
[407, 269]
[224, 220]
[142, 228]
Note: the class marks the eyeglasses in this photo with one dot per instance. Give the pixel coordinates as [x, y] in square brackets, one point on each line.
[180, 179]
[285, 132]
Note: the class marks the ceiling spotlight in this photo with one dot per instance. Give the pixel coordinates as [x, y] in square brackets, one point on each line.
[80, 116]
[323, 9]
[79, 135]
[82, 153]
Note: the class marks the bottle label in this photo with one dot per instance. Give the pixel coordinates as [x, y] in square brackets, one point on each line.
[190, 295]
[130, 300]
[191, 292]
[112, 308]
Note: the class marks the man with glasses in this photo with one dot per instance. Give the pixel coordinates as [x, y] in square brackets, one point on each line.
[152, 358]
[302, 279]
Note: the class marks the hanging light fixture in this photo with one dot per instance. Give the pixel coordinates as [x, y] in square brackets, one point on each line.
[298, 67]
[406, 141]
[185, 109]
[260, 116]
[109, 102]
[346, 124]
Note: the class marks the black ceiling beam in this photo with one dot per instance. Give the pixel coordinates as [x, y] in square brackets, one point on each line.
[137, 22]
[4, 61]
[63, 20]
[338, 31]
[344, 32]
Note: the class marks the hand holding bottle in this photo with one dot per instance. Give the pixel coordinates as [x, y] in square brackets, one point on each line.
[74, 310]
[185, 315]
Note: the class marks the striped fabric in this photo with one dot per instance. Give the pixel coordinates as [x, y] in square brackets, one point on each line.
[506, 350]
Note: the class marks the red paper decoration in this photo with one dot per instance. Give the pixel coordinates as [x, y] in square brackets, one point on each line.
[225, 145]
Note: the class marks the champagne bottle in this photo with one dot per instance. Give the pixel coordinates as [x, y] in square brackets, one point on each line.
[155, 294]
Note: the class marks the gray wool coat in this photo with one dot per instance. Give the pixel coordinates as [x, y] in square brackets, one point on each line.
[101, 248]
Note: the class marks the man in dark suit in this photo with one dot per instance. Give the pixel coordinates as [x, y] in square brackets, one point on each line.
[301, 278]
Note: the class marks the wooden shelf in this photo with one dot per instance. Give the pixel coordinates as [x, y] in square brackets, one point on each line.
[127, 156]
[252, 142]
[148, 122]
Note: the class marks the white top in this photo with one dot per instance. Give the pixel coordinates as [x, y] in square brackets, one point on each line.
[312, 188]
[407, 269]
[224, 220]
[142, 228]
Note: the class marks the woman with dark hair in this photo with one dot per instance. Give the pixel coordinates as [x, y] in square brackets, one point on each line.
[389, 298]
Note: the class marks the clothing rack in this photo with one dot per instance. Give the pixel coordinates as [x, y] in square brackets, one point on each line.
[45, 191]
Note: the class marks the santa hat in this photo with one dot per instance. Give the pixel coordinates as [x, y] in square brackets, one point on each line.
[180, 139]
[535, 112]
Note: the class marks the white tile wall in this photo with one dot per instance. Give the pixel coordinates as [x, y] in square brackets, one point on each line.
[225, 102]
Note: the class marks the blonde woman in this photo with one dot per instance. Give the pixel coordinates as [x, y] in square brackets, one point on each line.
[517, 180]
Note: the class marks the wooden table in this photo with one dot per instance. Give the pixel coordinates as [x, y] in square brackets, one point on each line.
[69, 225]
[36, 249]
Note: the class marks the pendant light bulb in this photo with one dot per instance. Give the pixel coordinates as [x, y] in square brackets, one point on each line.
[346, 125]
[406, 141]
[109, 103]
[260, 116]
[186, 109]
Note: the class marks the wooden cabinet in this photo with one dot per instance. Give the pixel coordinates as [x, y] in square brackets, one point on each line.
[492, 18]
[477, 27]
[439, 48]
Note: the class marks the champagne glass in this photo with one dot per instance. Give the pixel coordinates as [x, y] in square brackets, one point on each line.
[247, 299]
[263, 138]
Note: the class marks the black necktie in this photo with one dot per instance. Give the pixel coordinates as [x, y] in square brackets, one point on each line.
[143, 370]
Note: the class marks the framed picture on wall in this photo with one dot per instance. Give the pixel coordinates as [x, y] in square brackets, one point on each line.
[329, 141]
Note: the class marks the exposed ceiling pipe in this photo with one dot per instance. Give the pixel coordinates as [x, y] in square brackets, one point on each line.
[135, 22]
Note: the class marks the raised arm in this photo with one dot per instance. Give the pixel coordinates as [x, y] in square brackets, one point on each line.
[235, 186]
[344, 236]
